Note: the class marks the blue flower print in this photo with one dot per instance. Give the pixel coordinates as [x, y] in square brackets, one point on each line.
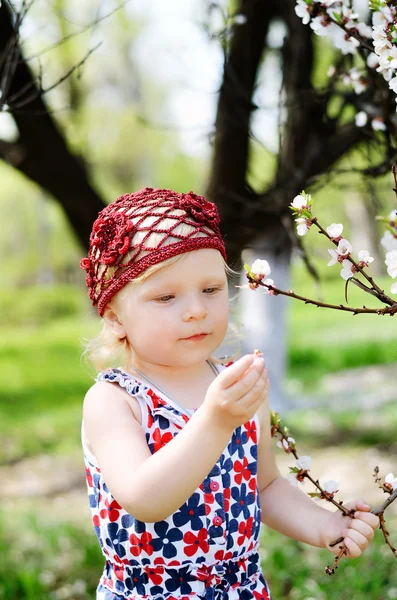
[233, 527]
[163, 422]
[178, 580]
[252, 566]
[166, 538]
[191, 511]
[226, 465]
[254, 452]
[242, 501]
[237, 442]
[137, 581]
[116, 538]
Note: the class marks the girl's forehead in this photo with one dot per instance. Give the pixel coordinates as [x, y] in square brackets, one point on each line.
[191, 265]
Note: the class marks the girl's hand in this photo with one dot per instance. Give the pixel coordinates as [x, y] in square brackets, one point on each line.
[237, 392]
[357, 532]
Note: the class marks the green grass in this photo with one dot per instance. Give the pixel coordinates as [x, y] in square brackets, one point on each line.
[45, 557]
[323, 341]
[296, 572]
[49, 559]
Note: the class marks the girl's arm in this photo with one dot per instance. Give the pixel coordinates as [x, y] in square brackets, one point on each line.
[290, 511]
[152, 487]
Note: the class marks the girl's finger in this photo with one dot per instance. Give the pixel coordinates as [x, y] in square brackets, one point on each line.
[369, 518]
[245, 384]
[254, 396]
[357, 537]
[231, 374]
[353, 551]
[362, 528]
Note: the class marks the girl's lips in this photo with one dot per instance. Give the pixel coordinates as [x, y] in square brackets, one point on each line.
[199, 336]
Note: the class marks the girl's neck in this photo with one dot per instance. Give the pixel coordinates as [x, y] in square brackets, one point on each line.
[185, 386]
[179, 376]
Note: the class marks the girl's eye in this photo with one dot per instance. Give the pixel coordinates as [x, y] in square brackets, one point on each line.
[211, 290]
[164, 299]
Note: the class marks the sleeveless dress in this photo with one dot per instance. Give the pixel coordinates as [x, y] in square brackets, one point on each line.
[209, 548]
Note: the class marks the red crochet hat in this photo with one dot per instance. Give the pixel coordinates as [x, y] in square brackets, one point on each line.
[126, 227]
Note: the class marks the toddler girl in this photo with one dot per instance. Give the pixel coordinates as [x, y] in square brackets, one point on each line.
[178, 452]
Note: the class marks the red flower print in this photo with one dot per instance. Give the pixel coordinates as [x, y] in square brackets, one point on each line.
[111, 511]
[96, 521]
[155, 574]
[160, 439]
[226, 498]
[108, 583]
[263, 595]
[194, 542]
[141, 544]
[156, 400]
[119, 572]
[219, 555]
[250, 428]
[150, 419]
[88, 477]
[252, 486]
[245, 529]
[242, 471]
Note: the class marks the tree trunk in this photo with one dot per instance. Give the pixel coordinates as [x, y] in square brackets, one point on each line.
[41, 152]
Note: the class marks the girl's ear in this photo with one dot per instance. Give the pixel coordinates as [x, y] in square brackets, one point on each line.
[112, 319]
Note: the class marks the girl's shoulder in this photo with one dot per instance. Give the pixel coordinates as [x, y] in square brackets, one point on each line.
[105, 395]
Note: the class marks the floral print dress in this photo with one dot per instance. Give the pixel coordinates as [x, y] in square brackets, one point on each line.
[208, 549]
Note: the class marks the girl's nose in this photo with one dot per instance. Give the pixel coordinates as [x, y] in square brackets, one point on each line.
[194, 309]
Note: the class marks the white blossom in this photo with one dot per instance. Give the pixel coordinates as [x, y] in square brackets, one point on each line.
[331, 71]
[393, 84]
[334, 257]
[299, 202]
[361, 119]
[359, 86]
[268, 282]
[392, 58]
[364, 30]
[391, 262]
[331, 486]
[344, 247]
[344, 42]
[321, 26]
[382, 17]
[391, 480]
[304, 463]
[240, 20]
[302, 10]
[378, 124]
[389, 241]
[364, 257]
[303, 226]
[372, 60]
[393, 215]
[347, 270]
[335, 230]
[285, 444]
[393, 289]
[261, 267]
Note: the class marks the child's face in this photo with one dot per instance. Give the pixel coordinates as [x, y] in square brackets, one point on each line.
[187, 298]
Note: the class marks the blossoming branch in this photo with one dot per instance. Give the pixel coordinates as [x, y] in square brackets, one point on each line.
[326, 491]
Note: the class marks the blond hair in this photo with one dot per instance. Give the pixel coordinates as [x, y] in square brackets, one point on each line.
[106, 349]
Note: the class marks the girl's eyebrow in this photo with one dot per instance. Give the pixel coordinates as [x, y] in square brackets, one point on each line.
[160, 287]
